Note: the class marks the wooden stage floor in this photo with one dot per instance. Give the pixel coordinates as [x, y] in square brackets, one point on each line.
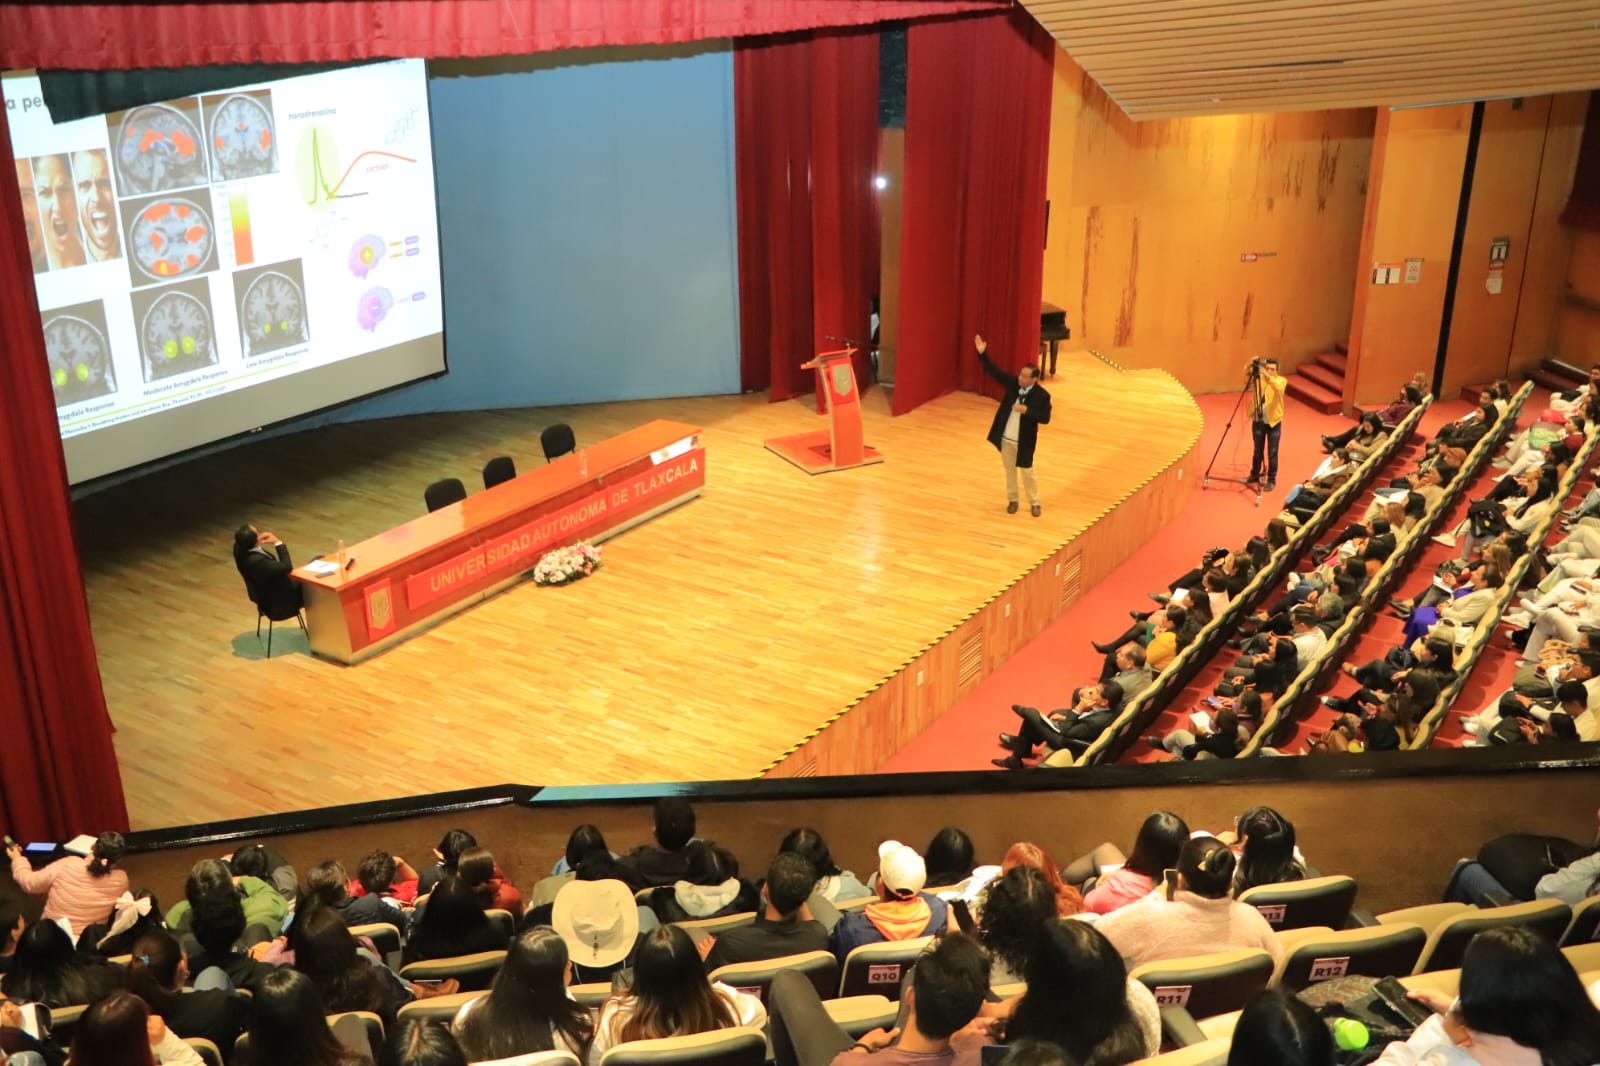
[714, 638]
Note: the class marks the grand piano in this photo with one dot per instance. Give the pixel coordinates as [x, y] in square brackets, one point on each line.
[1052, 331]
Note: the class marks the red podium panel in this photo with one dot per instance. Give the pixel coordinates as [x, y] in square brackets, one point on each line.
[840, 446]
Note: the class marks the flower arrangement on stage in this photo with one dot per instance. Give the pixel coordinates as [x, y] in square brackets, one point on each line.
[566, 565]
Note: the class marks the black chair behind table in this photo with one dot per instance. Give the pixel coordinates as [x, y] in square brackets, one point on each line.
[272, 613]
[498, 470]
[444, 492]
[558, 440]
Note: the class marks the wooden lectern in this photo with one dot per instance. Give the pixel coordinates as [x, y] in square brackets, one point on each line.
[839, 447]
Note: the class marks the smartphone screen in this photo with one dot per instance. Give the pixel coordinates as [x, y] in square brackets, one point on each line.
[1393, 993]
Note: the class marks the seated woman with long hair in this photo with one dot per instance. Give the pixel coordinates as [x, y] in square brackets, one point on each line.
[476, 866]
[1520, 1004]
[1068, 900]
[419, 1042]
[453, 923]
[45, 969]
[1266, 850]
[325, 952]
[671, 996]
[950, 858]
[1121, 880]
[1016, 907]
[528, 1008]
[1277, 1029]
[1194, 913]
[157, 973]
[833, 884]
[118, 1031]
[289, 1025]
[1080, 998]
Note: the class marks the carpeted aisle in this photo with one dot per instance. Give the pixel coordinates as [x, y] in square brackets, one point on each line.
[1045, 672]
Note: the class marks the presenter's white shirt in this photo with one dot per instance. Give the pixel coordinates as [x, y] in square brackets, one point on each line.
[1014, 423]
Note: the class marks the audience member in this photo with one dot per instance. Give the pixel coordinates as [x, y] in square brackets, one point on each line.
[784, 925]
[580, 842]
[258, 860]
[710, 887]
[1016, 907]
[446, 855]
[325, 952]
[1193, 914]
[1122, 880]
[1112, 1019]
[1267, 854]
[600, 922]
[950, 858]
[388, 876]
[651, 867]
[903, 911]
[1035, 1053]
[264, 563]
[264, 910]
[12, 923]
[671, 997]
[118, 1031]
[1526, 866]
[132, 915]
[1221, 741]
[528, 1008]
[157, 974]
[1068, 899]
[419, 1042]
[329, 882]
[79, 889]
[217, 924]
[478, 871]
[46, 969]
[453, 923]
[833, 884]
[940, 999]
[1094, 708]
[1277, 1029]
[1520, 1004]
[288, 1024]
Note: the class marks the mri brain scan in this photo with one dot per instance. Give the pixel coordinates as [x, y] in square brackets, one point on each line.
[171, 238]
[175, 336]
[242, 144]
[272, 314]
[80, 359]
[158, 148]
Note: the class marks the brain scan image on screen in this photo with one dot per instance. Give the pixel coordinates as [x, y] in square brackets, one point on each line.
[243, 142]
[272, 308]
[366, 254]
[79, 353]
[158, 147]
[169, 237]
[175, 332]
[373, 306]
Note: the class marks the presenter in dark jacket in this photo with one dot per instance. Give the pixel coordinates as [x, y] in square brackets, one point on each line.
[1024, 408]
[264, 563]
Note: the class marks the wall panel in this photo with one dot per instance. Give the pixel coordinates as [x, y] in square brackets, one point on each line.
[1549, 243]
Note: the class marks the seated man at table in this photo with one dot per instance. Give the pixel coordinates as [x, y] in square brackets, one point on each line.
[264, 563]
[1094, 707]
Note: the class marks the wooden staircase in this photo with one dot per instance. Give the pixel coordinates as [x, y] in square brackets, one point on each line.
[1551, 374]
[1319, 384]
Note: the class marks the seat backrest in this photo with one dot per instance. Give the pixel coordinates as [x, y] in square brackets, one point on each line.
[819, 967]
[720, 1047]
[384, 936]
[1207, 984]
[503, 922]
[209, 1053]
[498, 470]
[557, 440]
[880, 969]
[534, 1058]
[1585, 925]
[444, 492]
[473, 971]
[1448, 942]
[442, 1009]
[715, 925]
[1374, 951]
[1302, 904]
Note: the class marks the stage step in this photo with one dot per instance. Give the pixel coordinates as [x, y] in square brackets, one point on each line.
[1342, 348]
[1473, 394]
[1314, 395]
[1334, 361]
[1331, 380]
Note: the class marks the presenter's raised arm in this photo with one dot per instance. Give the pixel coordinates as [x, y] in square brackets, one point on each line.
[989, 368]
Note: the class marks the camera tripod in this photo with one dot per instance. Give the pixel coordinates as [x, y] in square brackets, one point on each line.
[1252, 388]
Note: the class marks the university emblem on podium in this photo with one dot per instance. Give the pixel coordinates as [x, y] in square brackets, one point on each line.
[380, 610]
[843, 374]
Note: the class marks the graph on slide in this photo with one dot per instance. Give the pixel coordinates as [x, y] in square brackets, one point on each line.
[317, 163]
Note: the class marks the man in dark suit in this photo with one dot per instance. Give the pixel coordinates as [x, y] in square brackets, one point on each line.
[264, 563]
[1094, 708]
[1024, 408]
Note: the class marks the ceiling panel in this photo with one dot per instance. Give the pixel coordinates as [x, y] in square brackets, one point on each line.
[1168, 58]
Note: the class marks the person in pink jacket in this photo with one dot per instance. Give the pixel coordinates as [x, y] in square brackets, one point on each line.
[79, 889]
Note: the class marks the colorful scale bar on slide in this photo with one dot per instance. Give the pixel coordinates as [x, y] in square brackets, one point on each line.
[244, 252]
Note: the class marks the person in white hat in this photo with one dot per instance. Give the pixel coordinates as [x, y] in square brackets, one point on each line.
[902, 911]
[599, 922]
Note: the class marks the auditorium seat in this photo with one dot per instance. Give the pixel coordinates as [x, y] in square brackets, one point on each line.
[880, 969]
[819, 967]
[1375, 951]
[1209, 1053]
[857, 904]
[384, 936]
[1585, 925]
[1207, 984]
[590, 995]
[497, 470]
[209, 1053]
[1448, 938]
[1298, 904]
[534, 1058]
[557, 440]
[475, 972]
[859, 1015]
[444, 492]
[502, 920]
[716, 925]
[741, 1046]
[345, 1026]
[441, 1009]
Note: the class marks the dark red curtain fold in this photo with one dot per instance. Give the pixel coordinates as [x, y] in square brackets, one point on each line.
[106, 36]
[972, 245]
[58, 769]
[806, 131]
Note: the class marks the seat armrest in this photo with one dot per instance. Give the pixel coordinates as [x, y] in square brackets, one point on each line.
[1495, 898]
[1360, 918]
[1179, 1027]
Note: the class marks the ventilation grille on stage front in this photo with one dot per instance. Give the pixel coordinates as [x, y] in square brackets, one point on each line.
[971, 659]
[1071, 581]
[809, 769]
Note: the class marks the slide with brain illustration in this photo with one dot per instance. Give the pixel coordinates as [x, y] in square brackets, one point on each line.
[208, 265]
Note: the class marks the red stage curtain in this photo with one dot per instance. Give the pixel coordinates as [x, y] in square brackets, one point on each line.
[806, 130]
[108, 36]
[972, 249]
[58, 770]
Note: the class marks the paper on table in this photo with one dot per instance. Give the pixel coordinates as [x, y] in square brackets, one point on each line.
[322, 567]
[81, 844]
